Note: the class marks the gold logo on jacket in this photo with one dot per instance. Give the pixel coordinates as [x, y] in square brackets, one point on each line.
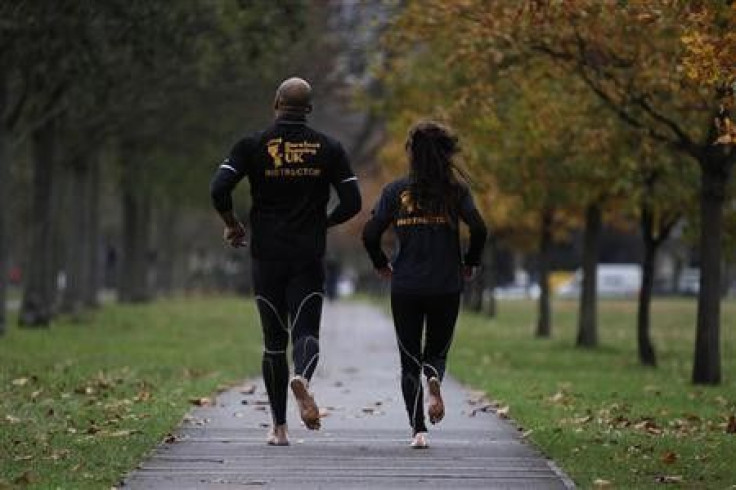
[408, 205]
[290, 152]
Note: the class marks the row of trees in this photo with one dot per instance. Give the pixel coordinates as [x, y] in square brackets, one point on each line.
[134, 97]
[580, 112]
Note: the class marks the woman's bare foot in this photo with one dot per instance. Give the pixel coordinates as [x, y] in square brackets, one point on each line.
[307, 406]
[278, 436]
[436, 409]
[419, 441]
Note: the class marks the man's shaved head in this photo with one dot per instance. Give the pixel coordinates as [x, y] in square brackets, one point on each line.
[294, 95]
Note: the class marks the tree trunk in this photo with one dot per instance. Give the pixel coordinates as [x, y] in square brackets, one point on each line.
[646, 350]
[38, 295]
[588, 321]
[490, 252]
[715, 173]
[4, 175]
[478, 285]
[136, 204]
[166, 249]
[544, 321]
[91, 277]
[76, 239]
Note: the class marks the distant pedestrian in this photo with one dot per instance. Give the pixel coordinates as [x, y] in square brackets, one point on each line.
[290, 168]
[428, 268]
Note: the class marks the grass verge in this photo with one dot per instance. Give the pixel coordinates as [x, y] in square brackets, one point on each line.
[81, 403]
[605, 419]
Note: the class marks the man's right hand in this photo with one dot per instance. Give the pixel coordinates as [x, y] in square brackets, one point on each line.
[235, 235]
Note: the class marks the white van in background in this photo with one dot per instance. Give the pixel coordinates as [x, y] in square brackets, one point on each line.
[613, 281]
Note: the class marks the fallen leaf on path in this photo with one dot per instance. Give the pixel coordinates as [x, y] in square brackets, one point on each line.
[503, 412]
[601, 483]
[323, 412]
[248, 389]
[527, 433]
[668, 479]
[171, 438]
[188, 419]
[201, 402]
[260, 402]
[669, 457]
[260, 407]
[488, 407]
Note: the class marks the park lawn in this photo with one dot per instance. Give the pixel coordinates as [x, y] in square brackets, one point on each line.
[83, 402]
[596, 411]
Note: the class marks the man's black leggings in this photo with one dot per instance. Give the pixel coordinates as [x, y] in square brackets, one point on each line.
[289, 297]
[412, 313]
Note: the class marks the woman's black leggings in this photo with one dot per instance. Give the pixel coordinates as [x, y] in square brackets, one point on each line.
[289, 296]
[412, 313]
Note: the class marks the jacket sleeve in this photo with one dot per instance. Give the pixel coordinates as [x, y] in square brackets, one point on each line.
[478, 230]
[350, 203]
[381, 219]
[228, 174]
[345, 183]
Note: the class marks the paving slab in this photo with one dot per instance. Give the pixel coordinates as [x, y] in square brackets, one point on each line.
[363, 443]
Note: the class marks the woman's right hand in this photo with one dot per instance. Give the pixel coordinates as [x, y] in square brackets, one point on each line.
[385, 272]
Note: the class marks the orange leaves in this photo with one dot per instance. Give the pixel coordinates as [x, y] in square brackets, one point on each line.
[710, 46]
[669, 457]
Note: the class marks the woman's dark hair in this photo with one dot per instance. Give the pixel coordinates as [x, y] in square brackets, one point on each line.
[434, 183]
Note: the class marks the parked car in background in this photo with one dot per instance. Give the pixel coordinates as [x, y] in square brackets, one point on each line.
[689, 282]
[613, 281]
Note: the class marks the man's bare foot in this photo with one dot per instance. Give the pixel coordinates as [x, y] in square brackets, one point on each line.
[278, 436]
[307, 406]
[436, 409]
[419, 441]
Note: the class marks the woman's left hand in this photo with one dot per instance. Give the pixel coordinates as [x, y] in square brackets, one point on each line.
[470, 272]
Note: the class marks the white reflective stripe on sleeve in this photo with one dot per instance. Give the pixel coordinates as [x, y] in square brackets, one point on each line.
[348, 179]
[229, 168]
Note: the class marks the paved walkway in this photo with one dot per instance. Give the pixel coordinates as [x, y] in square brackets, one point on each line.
[363, 443]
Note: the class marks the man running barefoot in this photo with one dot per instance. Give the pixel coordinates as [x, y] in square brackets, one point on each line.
[290, 168]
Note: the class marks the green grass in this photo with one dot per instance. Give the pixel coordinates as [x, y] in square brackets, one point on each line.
[82, 403]
[598, 413]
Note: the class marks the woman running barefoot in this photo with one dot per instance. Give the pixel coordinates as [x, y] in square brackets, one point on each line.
[427, 271]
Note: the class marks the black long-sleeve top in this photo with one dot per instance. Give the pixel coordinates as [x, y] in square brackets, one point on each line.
[428, 259]
[291, 168]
